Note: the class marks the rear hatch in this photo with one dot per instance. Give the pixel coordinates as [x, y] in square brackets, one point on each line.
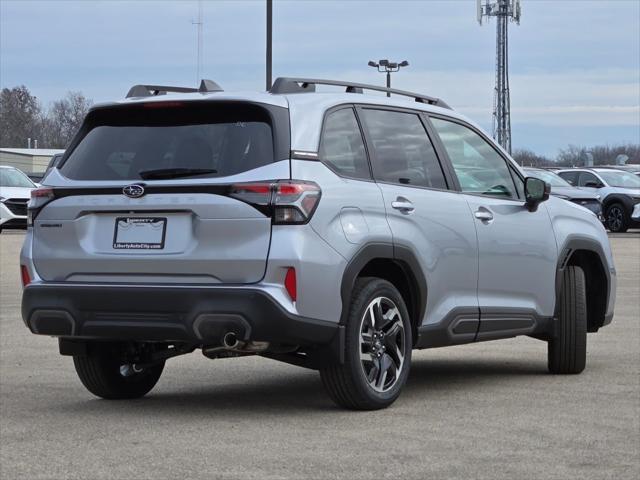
[145, 194]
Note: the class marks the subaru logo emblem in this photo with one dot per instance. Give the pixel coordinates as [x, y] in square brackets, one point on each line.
[133, 191]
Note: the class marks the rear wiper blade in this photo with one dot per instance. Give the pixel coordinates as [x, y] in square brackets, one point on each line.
[162, 173]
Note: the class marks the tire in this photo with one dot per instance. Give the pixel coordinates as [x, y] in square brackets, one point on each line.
[104, 374]
[567, 351]
[377, 360]
[617, 218]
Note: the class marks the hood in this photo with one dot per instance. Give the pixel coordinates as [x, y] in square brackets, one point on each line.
[15, 192]
[573, 192]
[634, 192]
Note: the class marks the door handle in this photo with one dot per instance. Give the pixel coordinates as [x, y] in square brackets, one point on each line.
[483, 214]
[404, 205]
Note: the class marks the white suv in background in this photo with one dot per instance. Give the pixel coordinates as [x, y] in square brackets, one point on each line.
[619, 191]
[15, 191]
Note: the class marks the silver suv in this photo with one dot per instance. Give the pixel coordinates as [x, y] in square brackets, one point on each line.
[334, 231]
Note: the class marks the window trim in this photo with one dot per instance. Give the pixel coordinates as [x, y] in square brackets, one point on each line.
[328, 112]
[508, 162]
[359, 107]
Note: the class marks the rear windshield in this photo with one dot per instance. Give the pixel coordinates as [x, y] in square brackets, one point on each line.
[209, 137]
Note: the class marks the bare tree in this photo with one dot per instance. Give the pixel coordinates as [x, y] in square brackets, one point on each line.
[63, 119]
[577, 156]
[527, 158]
[19, 117]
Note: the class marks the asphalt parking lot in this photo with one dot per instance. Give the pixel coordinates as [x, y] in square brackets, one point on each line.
[488, 410]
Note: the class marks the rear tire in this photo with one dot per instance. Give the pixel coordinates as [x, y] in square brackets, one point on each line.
[617, 218]
[104, 374]
[377, 349]
[567, 351]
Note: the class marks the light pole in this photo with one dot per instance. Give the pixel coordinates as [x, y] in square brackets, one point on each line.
[269, 59]
[385, 66]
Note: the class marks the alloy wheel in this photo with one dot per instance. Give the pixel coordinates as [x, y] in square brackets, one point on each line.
[615, 218]
[382, 344]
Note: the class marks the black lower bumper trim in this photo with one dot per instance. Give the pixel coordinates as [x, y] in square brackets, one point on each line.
[195, 315]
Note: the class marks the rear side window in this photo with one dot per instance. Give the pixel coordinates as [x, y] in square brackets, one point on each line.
[342, 146]
[403, 151]
[571, 177]
[219, 139]
[479, 167]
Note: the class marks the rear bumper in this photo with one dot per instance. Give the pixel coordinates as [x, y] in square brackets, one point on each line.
[195, 315]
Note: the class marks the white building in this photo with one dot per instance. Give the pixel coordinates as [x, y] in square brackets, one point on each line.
[32, 161]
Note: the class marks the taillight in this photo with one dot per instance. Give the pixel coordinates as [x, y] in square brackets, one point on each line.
[288, 202]
[24, 274]
[290, 283]
[39, 198]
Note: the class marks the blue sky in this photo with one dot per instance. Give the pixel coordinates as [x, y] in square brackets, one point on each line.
[575, 64]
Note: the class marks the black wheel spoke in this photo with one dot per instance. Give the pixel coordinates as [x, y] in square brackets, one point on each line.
[375, 370]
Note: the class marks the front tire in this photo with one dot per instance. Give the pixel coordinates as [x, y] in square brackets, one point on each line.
[104, 374]
[617, 218]
[378, 346]
[567, 351]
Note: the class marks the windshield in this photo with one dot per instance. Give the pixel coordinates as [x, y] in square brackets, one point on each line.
[551, 178]
[14, 178]
[156, 142]
[618, 178]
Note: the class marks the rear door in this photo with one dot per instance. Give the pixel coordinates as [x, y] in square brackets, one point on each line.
[148, 194]
[517, 248]
[425, 216]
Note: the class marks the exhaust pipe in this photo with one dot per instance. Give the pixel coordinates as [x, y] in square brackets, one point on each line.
[231, 346]
[230, 340]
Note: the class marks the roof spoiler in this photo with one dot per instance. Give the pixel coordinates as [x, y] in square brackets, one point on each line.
[284, 85]
[206, 86]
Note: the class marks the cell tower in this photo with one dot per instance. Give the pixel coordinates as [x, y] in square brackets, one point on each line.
[505, 11]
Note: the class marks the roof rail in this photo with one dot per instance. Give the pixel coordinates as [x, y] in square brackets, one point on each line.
[206, 86]
[308, 85]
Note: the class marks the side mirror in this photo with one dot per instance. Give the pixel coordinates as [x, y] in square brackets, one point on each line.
[593, 185]
[535, 192]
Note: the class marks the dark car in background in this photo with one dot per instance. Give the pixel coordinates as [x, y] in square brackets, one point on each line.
[53, 163]
[563, 189]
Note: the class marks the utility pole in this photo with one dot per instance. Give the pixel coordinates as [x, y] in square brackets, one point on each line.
[269, 59]
[199, 23]
[504, 11]
[385, 66]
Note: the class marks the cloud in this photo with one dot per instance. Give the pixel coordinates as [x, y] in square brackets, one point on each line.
[573, 64]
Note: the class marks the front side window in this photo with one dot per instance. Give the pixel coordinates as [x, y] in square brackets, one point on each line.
[342, 146]
[587, 179]
[403, 151]
[478, 166]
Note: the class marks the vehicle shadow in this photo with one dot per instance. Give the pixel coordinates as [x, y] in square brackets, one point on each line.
[301, 391]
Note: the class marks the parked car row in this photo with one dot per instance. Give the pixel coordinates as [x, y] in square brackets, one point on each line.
[563, 189]
[619, 193]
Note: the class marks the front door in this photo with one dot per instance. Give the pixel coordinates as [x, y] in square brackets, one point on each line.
[517, 248]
